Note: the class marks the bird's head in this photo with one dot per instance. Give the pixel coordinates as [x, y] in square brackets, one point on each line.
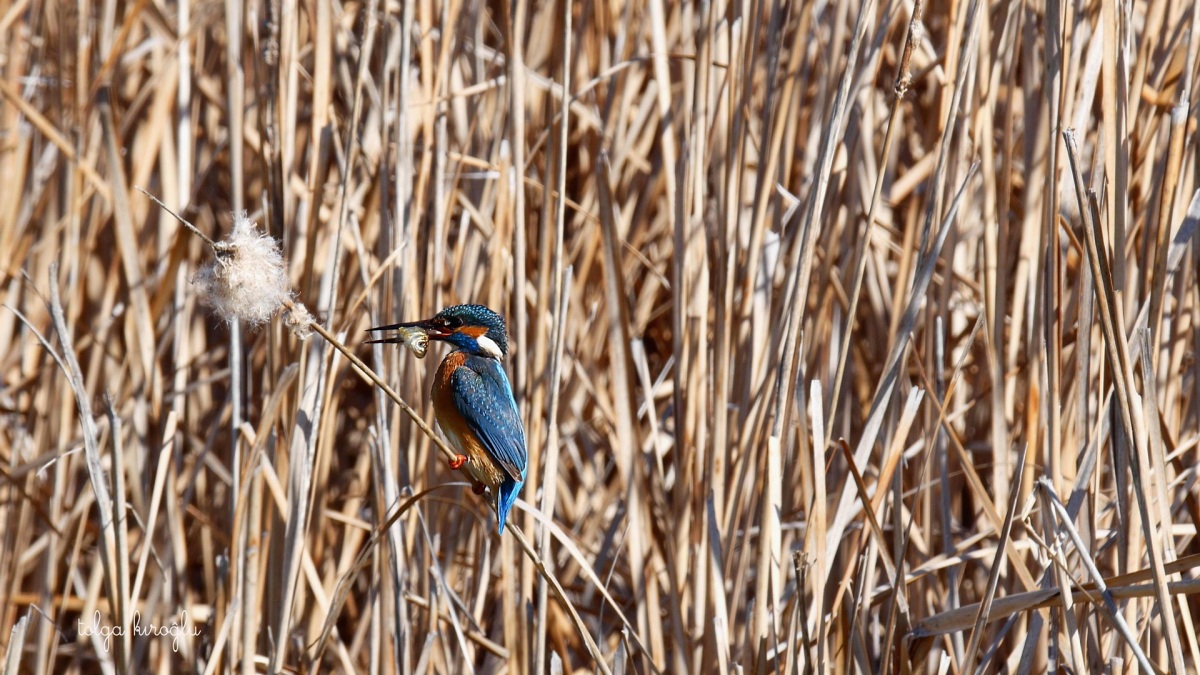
[474, 329]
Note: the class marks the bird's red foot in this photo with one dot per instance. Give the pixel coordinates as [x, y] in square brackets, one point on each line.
[477, 488]
[458, 461]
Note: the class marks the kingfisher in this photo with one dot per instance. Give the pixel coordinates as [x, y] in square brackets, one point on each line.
[472, 398]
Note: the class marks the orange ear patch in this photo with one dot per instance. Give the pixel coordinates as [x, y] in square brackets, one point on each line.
[473, 331]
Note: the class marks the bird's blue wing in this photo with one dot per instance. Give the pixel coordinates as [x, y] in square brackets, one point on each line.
[484, 398]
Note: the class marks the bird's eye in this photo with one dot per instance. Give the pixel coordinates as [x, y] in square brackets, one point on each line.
[451, 322]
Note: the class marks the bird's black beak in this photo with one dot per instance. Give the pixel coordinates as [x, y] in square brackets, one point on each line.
[431, 329]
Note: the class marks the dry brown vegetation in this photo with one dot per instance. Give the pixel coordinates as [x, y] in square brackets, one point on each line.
[845, 341]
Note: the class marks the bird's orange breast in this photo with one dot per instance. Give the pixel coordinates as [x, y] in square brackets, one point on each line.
[479, 465]
[443, 391]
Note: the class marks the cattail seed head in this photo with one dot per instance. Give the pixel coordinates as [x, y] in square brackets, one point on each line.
[247, 279]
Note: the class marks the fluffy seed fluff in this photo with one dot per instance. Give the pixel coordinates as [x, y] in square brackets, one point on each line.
[297, 319]
[247, 280]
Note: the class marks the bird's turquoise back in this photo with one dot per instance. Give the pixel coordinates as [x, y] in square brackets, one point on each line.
[474, 402]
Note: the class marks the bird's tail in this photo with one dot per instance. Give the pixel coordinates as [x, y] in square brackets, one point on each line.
[506, 496]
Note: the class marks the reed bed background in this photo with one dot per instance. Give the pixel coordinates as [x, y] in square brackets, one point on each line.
[847, 335]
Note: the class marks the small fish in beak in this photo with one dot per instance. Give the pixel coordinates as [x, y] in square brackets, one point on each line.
[416, 339]
[415, 336]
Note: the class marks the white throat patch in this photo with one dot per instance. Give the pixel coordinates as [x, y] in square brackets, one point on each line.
[488, 347]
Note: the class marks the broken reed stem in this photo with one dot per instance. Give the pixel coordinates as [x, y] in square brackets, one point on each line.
[862, 249]
[110, 558]
[559, 593]
[364, 556]
[1120, 357]
[192, 228]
